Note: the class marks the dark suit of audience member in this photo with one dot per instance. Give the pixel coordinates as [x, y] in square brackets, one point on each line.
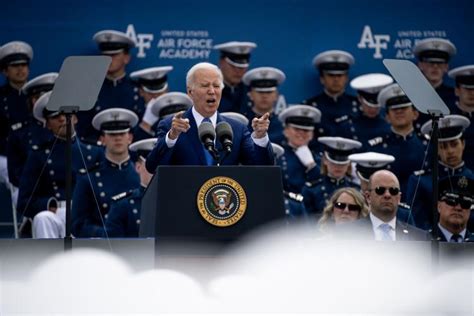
[383, 196]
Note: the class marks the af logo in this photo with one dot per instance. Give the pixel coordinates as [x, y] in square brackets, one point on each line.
[142, 40]
[376, 41]
[221, 201]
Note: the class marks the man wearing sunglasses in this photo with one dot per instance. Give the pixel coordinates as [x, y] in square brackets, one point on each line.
[383, 195]
[451, 149]
[456, 199]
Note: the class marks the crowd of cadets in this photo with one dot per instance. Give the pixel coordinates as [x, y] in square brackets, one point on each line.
[324, 143]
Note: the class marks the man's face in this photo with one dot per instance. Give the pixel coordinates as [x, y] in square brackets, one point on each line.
[206, 91]
[263, 101]
[118, 64]
[453, 216]
[383, 205]
[17, 74]
[232, 75]
[401, 117]
[466, 96]
[451, 152]
[116, 144]
[298, 137]
[434, 72]
[334, 84]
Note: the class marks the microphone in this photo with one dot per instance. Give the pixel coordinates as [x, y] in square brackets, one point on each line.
[225, 135]
[207, 135]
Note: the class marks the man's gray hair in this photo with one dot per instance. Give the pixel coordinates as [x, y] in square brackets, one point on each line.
[204, 65]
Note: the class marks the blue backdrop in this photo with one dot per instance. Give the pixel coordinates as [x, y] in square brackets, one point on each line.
[289, 33]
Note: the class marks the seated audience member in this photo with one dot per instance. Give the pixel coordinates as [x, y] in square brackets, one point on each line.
[345, 205]
[159, 108]
[123, 219]
[118, 90]
[234, 61]
[15, 58]
[433, 55]
[263, 83]
[464, 77]
[368, 123]
[383, 196]
[334, 103]
[335, 171]
[456, 198]
[114, 174]
[298, 163]
[28, 135]
[151, 83]
[42, 185]
[451, 145]
[369, 162]
[401, 141]
[178, 139]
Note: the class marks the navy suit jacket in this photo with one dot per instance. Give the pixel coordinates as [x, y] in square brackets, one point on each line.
[362, 230]
[188, 149]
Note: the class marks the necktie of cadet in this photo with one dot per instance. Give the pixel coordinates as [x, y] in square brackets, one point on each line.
[385, 228]
[207, 154]
[455, 238]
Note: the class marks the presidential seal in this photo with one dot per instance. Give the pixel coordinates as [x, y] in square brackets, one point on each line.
[221, 201]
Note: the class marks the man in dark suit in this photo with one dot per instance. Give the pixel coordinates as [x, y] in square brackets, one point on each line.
[383, 196]
[456, 197]
[178, 141]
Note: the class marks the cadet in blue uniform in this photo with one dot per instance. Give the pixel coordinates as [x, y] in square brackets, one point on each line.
[263, 83]
[294, 206]
[464, 77]
[433, 56]
[402, 141]
[42, 186]
[335, 169]
[115, 174]
[455, 202]
[367, 164]
[152, 83]
[233, 62]
[123, 219]
[298, 164]
[31, 134]
[451, 146]
[159, 108]
[15, 58]
[118, 90]
[335, 105]
[368, 123]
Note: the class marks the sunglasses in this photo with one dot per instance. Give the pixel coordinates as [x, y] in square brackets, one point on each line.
[457, 201]
[351, 207]
[381, 190]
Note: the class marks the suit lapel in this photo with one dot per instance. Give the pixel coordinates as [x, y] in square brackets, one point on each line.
[193, 138]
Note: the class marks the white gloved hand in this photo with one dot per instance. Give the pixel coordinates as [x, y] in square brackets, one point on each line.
[305, 156]
[149, 117]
